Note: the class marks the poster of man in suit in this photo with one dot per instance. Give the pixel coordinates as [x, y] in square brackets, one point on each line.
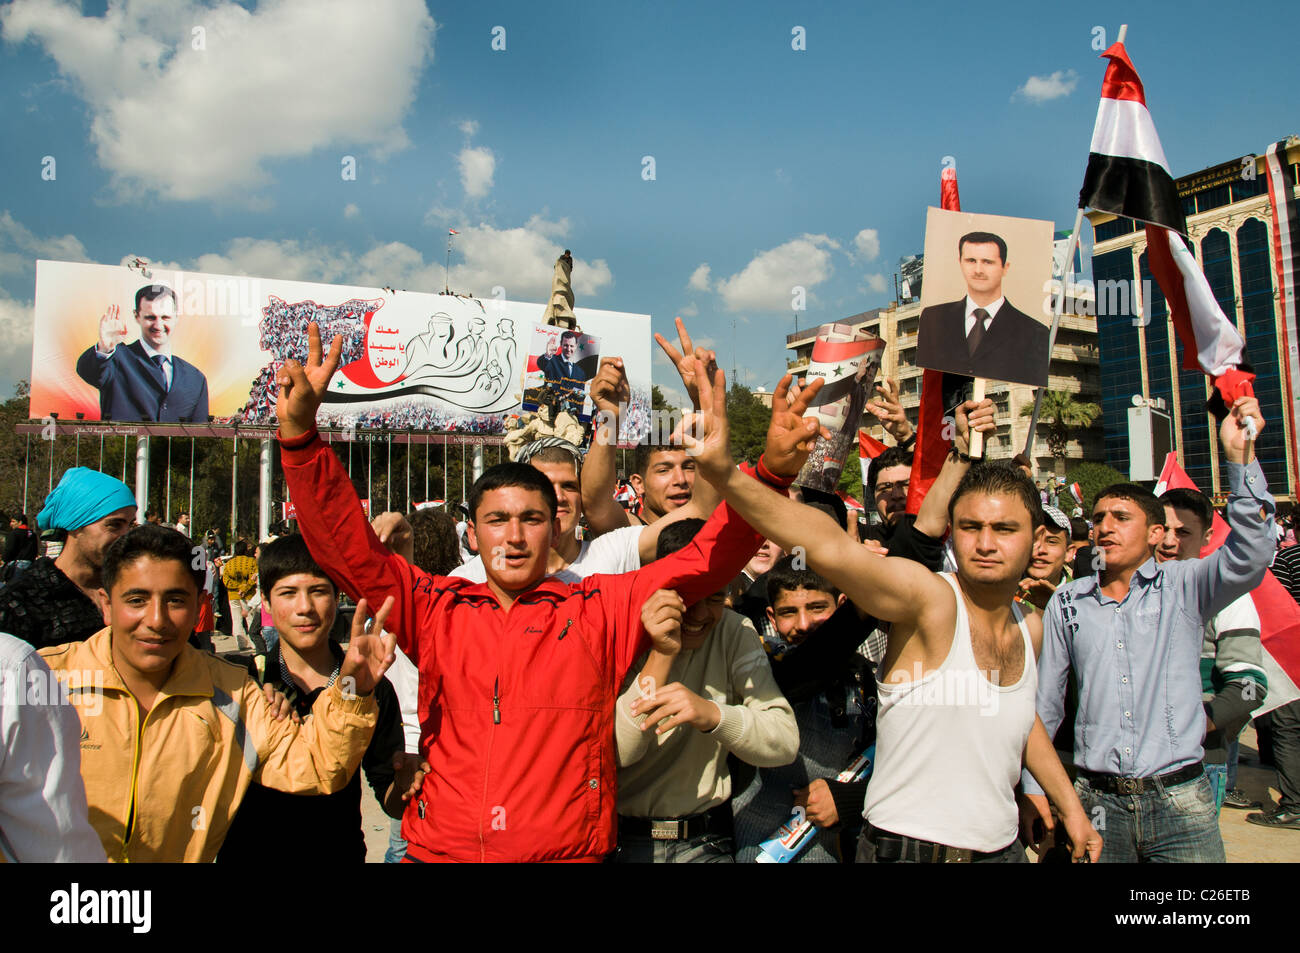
[144, 380]
[561, 362]
[984, 304]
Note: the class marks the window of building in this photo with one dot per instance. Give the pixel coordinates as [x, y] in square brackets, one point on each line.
[1113, 229]
[1216, 197]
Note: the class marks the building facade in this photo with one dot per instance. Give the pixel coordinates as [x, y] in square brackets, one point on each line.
[1230, 217]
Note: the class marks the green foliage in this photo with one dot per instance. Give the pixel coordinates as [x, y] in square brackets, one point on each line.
[851, 478]
[657, 400]
[748, 419]
[1092, 479]
[1061, 413]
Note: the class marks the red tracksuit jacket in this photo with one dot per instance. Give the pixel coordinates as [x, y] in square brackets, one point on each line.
[516, 707]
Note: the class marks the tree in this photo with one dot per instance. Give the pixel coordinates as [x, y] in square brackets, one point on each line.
[1061, 413]
[748, 419]
[1092, 479]
[657, 399]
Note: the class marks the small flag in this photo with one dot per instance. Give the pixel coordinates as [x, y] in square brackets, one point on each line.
[1077, 492]
[868, 449]
[452, 231]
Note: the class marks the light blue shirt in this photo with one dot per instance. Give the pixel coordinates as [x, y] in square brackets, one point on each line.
[1137, 661]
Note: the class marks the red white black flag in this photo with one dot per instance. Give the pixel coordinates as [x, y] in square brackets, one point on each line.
[1127, 171]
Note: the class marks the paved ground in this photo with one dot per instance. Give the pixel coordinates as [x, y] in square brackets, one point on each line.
[1245, 843]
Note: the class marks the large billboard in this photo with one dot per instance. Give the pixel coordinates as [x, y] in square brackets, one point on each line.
[111, 343]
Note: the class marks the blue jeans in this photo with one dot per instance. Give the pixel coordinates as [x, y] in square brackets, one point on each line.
[1234, 752]
[1172, 825]
[396, 843]
[1218, 775]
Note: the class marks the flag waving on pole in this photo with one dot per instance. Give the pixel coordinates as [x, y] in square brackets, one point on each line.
[452, 231]
[1129, 176]
[1127, 170]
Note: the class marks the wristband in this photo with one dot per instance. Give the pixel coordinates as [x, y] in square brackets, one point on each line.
[909, 442]
[961, 457]
[770, 478]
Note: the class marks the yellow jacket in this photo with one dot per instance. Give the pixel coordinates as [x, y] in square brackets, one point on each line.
[167, 789]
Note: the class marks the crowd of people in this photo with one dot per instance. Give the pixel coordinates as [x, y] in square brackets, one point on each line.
[736, 671]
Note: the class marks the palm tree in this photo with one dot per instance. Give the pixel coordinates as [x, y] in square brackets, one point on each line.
[1060, 414]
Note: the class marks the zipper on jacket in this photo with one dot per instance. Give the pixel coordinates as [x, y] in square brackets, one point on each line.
[566, 630]
[496, 701]
[135, 770]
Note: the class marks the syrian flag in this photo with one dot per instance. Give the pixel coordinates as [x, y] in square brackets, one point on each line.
[1127, 171]
[452, 231]
[1129, 176]
[1077, 492]
[1279, 614]
[868, 449]
[1286, 262]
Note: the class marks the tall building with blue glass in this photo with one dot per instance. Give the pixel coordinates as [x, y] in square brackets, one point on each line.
[1230, 220]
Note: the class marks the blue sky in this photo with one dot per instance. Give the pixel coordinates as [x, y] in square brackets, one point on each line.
[773, 166]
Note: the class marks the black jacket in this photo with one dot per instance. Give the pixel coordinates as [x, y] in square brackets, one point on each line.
[1014, 348]
[133, 388]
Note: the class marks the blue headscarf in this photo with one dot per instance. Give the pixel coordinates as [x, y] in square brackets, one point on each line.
[82, 497]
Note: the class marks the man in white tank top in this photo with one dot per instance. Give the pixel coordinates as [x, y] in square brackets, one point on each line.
[957, 685]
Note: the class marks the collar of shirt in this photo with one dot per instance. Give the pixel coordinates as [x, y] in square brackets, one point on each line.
[150, 352]
[992, 309]
[1092, 583]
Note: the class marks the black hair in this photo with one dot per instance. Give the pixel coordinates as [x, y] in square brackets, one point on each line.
[512, 474]
[243, 547]
[783, 577]
[570, 334]
[999, 477]
[1194, 501]
[1080, 532]
[556, 454]
[983, 238]
[641, 458]
[437, 547]
[156, 542]
[890, 457]
[153, 293]
[287, 556]
[1144, 498]
[676, 535]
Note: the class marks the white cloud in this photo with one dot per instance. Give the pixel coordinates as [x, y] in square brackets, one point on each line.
[351, 211]
[469, 127]
[690, 310]
[867, 243]
[700, 278]
[19, 248]
[1042, 89]
[16, 321]
[282, 81]
[877, 283]
[765, 283]
[477, 166]
[521, 260]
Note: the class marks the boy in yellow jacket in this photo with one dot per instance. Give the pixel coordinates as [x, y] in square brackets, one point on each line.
[171, 737]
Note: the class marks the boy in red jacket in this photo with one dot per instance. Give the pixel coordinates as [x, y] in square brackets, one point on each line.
[518, 675]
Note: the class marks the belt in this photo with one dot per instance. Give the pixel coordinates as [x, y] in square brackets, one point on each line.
[716, 819]
[1114, 784]
[897, 847]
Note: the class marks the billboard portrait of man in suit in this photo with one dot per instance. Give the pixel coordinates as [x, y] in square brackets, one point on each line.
[983, 334]
[143, 380]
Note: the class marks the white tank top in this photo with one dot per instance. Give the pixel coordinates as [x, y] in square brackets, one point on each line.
[949, 748]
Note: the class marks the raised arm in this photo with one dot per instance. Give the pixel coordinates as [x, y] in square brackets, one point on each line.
[932, 518]
[1238, 566]
[329, 512]
[609, 391]
[895, 590]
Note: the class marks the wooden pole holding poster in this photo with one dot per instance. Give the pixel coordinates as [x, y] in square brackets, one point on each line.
[976, 437]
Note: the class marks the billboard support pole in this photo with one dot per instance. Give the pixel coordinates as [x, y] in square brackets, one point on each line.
[124, 440]
[444, 473]
[478, 460]
[234, 490]
[141, 478]
[428, 449]
[27, 459]
[370, 456]
[408, 472]
[100, 468]
[167, 504]
[264, 491]
[53, 441]
[76, 455]
[388, 484]
[191, 510]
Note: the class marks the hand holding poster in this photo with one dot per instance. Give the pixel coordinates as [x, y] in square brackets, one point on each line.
[985, 307]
